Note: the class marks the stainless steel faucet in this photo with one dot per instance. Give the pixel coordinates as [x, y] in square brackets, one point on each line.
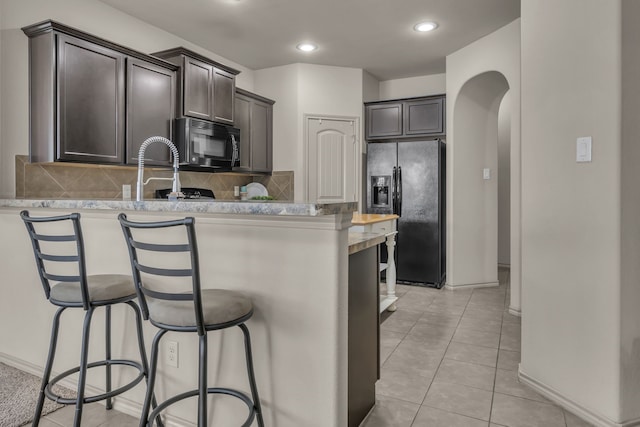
[175, 188]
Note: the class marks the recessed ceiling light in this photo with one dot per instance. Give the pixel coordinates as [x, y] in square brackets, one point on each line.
[425, 26]
[306, 47]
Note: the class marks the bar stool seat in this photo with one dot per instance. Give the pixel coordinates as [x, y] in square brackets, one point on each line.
[58, 247]
[104, 288]
[185, 310]
[219, 307]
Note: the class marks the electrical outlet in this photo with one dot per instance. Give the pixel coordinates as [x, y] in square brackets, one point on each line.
[126, 192]
[171, 354]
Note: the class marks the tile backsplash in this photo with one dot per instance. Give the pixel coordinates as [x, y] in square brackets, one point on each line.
[62, 180]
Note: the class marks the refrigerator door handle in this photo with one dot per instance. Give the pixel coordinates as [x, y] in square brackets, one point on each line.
[394, 195]
[399, 195]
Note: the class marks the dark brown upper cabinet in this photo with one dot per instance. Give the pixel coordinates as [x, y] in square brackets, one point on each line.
[384, 120]
[224, 89]
[198, 84]
[405, 118]
[243, 122]
[254, 118]
[94, 101]
[206, 88]
[90, 91]
[151, 94]
[424, 117]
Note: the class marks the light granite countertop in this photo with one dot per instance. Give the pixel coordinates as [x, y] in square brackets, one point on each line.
[359, 241]
[191, 206]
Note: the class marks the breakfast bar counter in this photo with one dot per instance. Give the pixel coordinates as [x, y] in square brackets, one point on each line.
[291, 259]
[191, 206]
[387, 225]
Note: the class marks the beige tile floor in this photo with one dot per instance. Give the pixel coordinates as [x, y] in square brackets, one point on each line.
[93, 415]
[450, 359]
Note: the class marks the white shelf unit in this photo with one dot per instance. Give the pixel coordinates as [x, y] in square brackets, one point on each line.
[389, 229]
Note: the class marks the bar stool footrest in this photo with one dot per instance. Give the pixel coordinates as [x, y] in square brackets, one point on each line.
[211, 390]
[90, 399]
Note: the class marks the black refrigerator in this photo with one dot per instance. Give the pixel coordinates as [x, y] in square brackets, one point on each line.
[408, 179]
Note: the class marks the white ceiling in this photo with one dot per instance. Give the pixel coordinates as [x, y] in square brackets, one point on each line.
[375, 35]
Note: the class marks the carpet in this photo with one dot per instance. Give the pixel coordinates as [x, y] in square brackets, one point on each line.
[19, 394]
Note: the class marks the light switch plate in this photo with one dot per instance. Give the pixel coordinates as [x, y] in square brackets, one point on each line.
[583, 149]
[486, 173]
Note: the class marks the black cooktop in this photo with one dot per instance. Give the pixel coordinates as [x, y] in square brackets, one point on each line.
[189, 193]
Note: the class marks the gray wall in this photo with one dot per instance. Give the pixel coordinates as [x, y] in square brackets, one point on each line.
[472, 135]
[581, 326]
[301, 89]
[504, 181]
[413, 86]
[3, 193]
[630, 245]
[370, 87]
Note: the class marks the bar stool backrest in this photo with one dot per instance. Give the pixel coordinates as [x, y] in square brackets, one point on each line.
[47, 258]
[149, 267]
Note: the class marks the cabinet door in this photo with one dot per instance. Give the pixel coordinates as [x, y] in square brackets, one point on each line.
[384, 120]
[261, 137]
[150, 110]
[198, 89]
[424, 117]
[243, 122]
[224, 89]
[90, 102]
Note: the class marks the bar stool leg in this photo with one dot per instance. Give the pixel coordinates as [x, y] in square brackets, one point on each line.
[143, 355]
[82, 379]
[48, 365]
[152, 379]
[107, 322]
[252, 378]
[202, 386]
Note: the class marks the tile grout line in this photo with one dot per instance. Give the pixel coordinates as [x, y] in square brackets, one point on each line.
[48, 419]
[495, 375]
[413, 420]
[475, 299]
[403, 338]
[439, 364]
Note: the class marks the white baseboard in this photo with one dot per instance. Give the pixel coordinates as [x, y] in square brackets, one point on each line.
[515, 312]
[21, 364]
[572, 406]
[472, 286]
[120, 403]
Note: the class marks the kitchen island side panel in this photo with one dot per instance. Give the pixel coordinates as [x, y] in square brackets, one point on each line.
[295, 270]
[364, 333]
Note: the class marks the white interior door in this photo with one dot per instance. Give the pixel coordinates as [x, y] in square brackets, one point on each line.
[332, 166]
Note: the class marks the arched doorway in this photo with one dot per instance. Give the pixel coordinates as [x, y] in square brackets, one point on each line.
[473, 189]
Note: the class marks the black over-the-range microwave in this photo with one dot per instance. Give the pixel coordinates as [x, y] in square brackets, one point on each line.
[206, 145]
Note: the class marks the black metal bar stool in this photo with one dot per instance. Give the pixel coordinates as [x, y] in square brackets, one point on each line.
[193, 310]
[79, 290]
